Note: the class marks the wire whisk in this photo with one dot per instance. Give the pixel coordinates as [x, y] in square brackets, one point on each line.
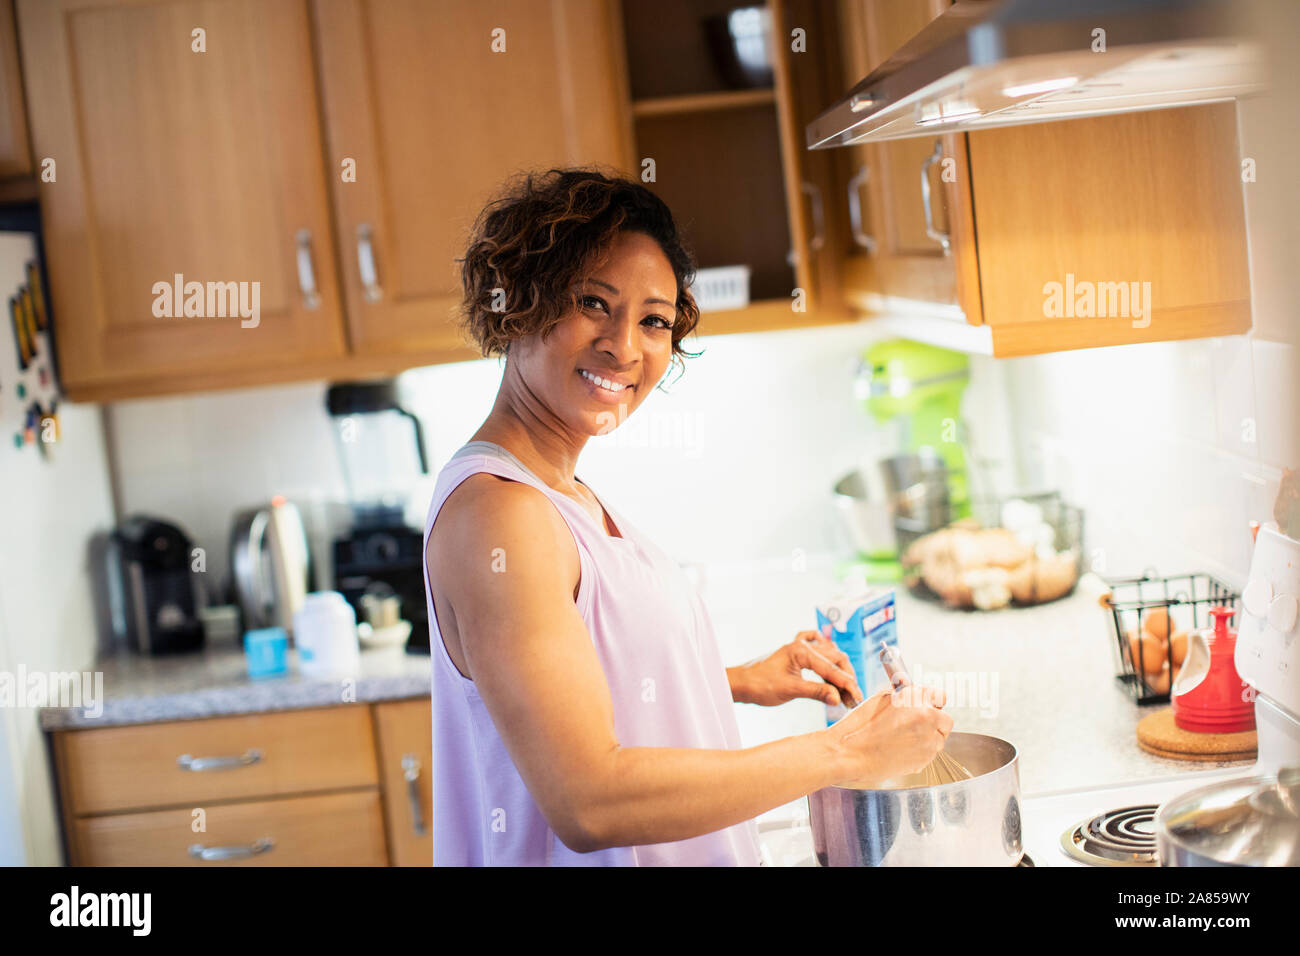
[943, 768]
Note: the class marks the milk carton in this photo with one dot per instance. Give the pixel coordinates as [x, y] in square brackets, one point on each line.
[859, 624]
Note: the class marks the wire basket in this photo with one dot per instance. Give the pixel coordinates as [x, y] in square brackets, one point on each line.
[1186, 599]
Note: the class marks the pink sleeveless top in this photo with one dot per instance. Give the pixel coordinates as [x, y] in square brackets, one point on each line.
[666, 679]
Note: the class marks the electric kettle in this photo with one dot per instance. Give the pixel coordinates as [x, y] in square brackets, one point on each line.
[269, 564]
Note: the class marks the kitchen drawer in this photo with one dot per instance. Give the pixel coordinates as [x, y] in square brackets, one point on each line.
[300, 751]
[335, 829]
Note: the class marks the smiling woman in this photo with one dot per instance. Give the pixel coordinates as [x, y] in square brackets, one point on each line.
[582, 714]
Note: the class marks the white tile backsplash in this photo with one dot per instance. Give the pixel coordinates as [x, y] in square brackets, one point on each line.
[733, 460]
[1170, 448]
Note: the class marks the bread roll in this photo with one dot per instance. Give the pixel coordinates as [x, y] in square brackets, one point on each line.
[1035, 581]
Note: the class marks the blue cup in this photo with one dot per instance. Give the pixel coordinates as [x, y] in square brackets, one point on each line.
[267, 652]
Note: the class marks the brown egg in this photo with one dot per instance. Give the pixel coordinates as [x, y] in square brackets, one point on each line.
[1178, 648]
[1159, 683]
[1153, 652]
[1156, 621]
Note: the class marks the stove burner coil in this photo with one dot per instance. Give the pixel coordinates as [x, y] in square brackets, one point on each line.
[1124, 837]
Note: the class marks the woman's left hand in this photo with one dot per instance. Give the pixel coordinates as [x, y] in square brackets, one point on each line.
[778, 677]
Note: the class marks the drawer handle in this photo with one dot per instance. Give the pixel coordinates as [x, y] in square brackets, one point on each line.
[411, 771]
[201, 852]
[246, 759]
[940, 237]
[366, 264]
[306, 270]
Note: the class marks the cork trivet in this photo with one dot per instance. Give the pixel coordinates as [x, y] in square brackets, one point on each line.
[1158, 734]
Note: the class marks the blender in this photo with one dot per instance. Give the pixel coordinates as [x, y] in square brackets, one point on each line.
[381, 555]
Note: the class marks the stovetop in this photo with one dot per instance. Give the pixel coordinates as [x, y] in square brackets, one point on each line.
[1045, 818]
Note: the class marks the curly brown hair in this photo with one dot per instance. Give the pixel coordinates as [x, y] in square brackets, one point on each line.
[529, 248]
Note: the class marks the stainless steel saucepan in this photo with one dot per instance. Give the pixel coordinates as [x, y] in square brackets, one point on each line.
[973, 822]
[1246, 821]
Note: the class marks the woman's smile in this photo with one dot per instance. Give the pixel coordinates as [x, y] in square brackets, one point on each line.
[618, 394]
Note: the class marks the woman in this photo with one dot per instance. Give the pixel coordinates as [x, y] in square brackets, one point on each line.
[582, 713]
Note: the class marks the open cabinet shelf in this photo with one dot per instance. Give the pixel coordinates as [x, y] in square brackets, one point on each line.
[720, 173]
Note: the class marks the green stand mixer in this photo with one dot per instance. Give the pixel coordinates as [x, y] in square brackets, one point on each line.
[913, 393]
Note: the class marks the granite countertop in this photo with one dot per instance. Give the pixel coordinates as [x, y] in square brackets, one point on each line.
[215, 683]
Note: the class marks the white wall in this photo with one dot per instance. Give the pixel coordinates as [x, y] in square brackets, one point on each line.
[47, 614]
[195, 460]
[52, 505]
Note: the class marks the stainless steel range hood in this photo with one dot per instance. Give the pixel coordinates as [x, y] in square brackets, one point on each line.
[987, 63]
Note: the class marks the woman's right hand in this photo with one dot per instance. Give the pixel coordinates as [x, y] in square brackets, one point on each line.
[889, 734]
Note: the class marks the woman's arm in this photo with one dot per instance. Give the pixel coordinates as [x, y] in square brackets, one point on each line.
[528, 651]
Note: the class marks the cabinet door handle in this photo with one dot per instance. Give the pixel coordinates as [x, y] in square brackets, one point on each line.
[201, 852]
[248, 758]
[819, 224]
[819, 217]
[366, 264]
[860, 236]
[933, 233]
[306, 271]
[411, 771]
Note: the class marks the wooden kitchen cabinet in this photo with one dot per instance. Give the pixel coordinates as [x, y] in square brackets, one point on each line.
[728, 161]
[136, 767]
[807, 80]
[1151, 197]
[169, 161]
[225, 166]
[435, 120]
[1152, 201]
[333, 829]
[15, 150]
[892, 247]
[332, 154]
[404, 731]
[325, 786]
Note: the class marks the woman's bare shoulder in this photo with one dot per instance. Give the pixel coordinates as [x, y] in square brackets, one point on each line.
[489, 511]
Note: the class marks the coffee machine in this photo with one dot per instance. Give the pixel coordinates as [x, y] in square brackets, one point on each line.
[152, 592]
[381, 448]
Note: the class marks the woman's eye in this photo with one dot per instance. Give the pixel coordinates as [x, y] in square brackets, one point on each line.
[659, 318]
[588, 299]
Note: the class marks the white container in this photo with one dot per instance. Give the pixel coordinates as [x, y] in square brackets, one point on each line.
[726, 287]
[325, 633]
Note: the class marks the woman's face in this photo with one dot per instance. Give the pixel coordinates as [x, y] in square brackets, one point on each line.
[621, 334]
